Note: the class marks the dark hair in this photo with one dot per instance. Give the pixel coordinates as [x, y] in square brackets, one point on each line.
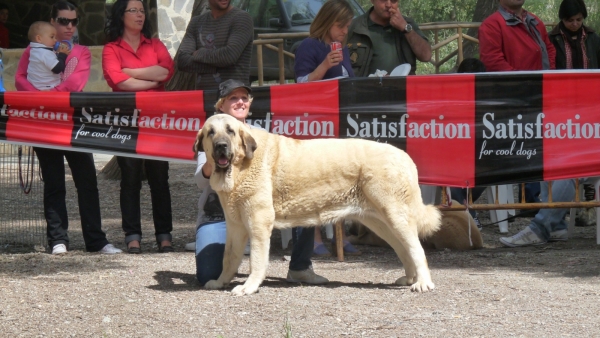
[568, 8]
[471, 65]
[114, 26]
[3, 7]
[61, 6]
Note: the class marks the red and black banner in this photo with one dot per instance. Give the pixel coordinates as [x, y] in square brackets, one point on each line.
[460, 129]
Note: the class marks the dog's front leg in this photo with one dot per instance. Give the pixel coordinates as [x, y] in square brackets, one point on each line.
[261, 227]
[237, 235]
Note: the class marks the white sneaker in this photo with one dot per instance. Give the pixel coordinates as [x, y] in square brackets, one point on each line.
[59, 249]
[559, 236]
[190, 246]
[524, 238]
[307, 276]
[110, 249]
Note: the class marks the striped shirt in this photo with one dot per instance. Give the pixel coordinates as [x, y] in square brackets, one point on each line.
[217, 49]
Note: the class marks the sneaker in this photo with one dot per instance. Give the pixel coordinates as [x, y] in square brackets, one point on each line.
[559, 236]
[109, 249]
[321, 250]
[524, 238]
[59, 249]
[190, 246]
[307, 276]
[477, 223]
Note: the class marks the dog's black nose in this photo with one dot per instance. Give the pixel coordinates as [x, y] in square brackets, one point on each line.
[220, 145]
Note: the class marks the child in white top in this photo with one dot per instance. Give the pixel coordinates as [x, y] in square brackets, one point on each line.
[45, 65]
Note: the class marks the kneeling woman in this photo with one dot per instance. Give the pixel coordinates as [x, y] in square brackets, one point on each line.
[235, 100]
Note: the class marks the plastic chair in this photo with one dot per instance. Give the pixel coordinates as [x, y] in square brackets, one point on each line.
[505, 195]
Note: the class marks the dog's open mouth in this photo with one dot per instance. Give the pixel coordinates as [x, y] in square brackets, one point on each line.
[222, 161]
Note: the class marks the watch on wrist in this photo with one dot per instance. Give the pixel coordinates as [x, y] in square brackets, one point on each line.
[407, 29]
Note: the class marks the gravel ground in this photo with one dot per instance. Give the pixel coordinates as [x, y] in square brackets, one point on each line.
[545, 291]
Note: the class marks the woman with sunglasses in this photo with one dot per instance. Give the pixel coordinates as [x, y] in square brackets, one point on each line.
[133, 61]
[73, 79]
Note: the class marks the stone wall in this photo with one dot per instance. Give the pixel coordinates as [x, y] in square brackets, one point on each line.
[172, 17]
[169, 18]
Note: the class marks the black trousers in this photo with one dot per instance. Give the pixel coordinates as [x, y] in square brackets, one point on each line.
[55, 207]
[131, 184]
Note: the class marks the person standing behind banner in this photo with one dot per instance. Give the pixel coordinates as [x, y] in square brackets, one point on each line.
[317, 59]
[577, 47]
[217, 46]
[133, 61]
[4, 36]
[64, 19]
[383, 38]
[513, 39]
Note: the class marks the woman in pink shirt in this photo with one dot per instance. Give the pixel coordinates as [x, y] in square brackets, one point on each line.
[75, 76]
[132, 61]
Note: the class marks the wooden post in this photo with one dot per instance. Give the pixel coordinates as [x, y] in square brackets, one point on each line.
[339, 240]
[281, 63]
[436, 39]
[259, 64]
[460, 45]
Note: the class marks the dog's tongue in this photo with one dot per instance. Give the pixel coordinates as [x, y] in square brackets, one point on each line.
[223, 160]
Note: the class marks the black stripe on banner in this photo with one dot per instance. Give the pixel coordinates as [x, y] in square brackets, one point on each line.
[507, 146]
[373, 109]
[260, 110]
[3, 117]
[105, 121]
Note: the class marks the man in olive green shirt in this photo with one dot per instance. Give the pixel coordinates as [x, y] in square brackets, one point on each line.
[383, 38]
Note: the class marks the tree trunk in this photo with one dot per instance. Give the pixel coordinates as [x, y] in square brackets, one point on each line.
[179, 82]
[483, 9]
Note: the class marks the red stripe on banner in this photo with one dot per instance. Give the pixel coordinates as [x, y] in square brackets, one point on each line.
[168, 126]
[571, 125]
[40, 117]
[305, 111]
[441, 128]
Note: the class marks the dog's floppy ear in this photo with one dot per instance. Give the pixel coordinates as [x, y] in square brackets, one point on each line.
[248, 142]
[198, 144]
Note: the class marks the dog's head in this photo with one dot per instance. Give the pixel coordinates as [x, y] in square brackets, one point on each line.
[225, 140]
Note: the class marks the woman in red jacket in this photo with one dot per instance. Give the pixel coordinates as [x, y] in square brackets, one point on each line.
[132, 61]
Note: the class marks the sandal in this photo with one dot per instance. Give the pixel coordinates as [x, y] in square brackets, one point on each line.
[165, 248]
[134, 249]
[321, 250]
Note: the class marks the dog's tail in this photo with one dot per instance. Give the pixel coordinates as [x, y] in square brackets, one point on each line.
[428, 218]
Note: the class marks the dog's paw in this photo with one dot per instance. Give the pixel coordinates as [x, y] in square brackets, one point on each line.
[242, 290]
[213, 285]
[404, 281]
[422, 286]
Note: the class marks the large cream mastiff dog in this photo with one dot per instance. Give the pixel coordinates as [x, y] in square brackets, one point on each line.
[267, 181]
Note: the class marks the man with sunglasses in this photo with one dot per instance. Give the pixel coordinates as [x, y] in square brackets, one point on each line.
[383, 38]
[73, 79]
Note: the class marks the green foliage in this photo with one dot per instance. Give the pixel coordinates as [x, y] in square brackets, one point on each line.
[287, 327]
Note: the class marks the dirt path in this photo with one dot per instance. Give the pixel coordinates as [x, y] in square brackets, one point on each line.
[546, 291]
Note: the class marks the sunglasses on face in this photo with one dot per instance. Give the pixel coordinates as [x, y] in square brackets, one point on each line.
[66, 22]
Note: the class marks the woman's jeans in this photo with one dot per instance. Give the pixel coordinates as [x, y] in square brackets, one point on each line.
[550, 220]
[210, 249]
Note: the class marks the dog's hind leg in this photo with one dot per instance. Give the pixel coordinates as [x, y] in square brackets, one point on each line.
[383, 231]
[261, 226]
[408, 245]
[237, 235]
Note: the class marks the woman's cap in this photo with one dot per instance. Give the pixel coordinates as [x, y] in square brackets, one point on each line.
[226, 87]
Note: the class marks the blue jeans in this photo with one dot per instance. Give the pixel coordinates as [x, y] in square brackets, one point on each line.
[550, 220]
[210, 249]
